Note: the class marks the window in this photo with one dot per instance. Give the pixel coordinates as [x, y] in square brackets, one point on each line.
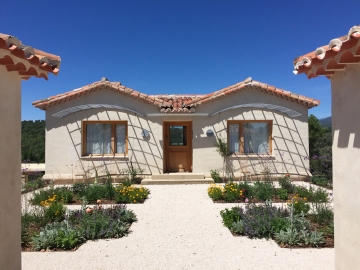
[249, 137]
[104, 137]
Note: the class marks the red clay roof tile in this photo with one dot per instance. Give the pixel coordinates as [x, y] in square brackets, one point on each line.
[46, 62]
[325, 60]
[174, 103]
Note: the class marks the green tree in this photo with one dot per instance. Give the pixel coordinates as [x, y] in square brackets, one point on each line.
[33, 141]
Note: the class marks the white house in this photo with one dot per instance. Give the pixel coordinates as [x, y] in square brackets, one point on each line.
[105, 125]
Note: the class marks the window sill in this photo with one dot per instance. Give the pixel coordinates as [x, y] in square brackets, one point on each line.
[251, 156]
[107, 157]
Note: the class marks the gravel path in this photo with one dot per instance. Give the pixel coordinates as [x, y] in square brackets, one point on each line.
[179, 227]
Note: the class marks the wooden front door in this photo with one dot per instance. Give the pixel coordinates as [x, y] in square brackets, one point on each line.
[177, 146]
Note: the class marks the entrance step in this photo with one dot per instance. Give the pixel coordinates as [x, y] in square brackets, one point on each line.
[177, 181]
[178, 176]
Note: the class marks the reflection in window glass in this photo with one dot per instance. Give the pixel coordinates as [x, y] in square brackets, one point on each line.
[256, 138]
[98, 138]
[177, 136]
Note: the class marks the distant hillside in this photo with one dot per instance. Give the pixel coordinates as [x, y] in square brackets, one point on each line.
[33, 141]
[325, 122]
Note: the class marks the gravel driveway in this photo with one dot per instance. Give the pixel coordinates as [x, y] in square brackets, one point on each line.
[179, 227]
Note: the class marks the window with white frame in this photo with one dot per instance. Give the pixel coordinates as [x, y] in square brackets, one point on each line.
[249, 137]
[104, 137]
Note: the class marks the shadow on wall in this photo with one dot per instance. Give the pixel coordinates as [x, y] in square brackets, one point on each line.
[143, 152]
[289, 149]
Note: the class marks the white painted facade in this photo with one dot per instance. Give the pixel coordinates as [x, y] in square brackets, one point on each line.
[64, 135]
[346, 166]
[10, 168]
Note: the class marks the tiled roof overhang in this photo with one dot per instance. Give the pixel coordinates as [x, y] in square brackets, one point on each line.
[256, 85]
[173, 103]
[324, 61]
[25, 60]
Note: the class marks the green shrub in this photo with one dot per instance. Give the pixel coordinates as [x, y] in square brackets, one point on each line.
[231, 192]
[131, 194]
[93, 192]
[215, 192]
[259, 219]
[285, 183]
[311, 195]
[230, 216]
[322, 214]
[57, 235]
[282, 194]
[78, 188]
[112, 222]
[63, 194]
[247, 190]
[215, 176]
[238, 227]
[320, 181]
[279, 224]
[264, 190]
[300, 206]
[55, 212]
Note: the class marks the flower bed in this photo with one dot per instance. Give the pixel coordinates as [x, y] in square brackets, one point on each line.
[263, 191]
[53, 227]
[77, 193]
[285, 225]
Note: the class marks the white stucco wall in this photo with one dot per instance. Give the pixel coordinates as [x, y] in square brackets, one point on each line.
[10, 168]
[63, 135]
[346, 166]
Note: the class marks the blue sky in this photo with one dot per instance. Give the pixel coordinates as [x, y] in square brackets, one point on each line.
[177, 47]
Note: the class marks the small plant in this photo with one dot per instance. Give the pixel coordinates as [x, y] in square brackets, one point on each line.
[232, 192]
[230, 216]
[132, 172]
[285, 183]
[215, 175]
[282, 194]
[318, 196]
[57, 235]
[300, 205]
[313, 238]
[259, 219]
[131, 194]
[78, 188]
[264, 190]
[54, 212]
[322, 214]
[215, 192]
[289, 236]
[279, 224]
[238, 227]
[222, 149]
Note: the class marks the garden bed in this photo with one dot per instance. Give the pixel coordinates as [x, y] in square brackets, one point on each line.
[241, 192]
[80, 193]
[54, 228]
[289, 226]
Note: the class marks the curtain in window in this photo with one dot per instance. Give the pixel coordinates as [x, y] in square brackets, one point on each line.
[98, 139]
[120, 139]
[256, 138]
[234, 138]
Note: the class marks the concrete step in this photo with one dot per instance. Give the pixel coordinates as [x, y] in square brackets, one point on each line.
[177, 181]
[178, 176]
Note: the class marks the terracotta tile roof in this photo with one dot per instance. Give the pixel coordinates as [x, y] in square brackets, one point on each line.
[325, 60]
[173, 103]
[250, 83]
[39, 63]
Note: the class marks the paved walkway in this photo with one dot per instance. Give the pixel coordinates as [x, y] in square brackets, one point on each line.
[179, 227]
